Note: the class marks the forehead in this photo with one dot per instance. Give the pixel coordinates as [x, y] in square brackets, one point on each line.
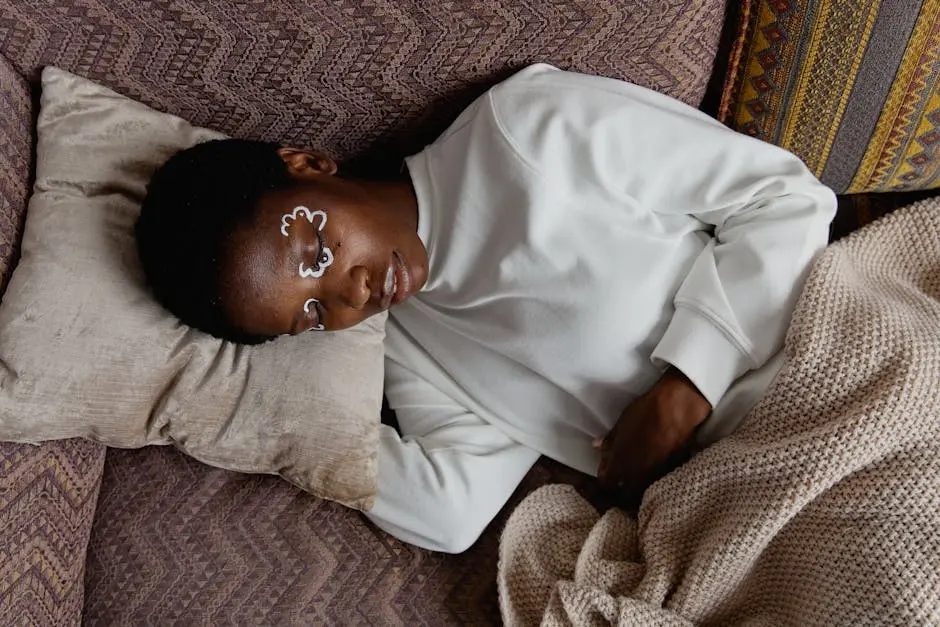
[256, 281]
[276, 204]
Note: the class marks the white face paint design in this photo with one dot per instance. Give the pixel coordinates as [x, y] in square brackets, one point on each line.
[326, 255]
[311, 301]
[325, 260]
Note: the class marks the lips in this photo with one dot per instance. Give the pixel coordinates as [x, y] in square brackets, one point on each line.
[390, 286]
[397, 284]
[402, 279]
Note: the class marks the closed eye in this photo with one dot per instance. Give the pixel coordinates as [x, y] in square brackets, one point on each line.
[321, 248]
[323, 261]
[312, 306]
[317, 251]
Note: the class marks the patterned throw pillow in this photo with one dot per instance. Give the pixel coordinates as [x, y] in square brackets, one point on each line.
[852, 87]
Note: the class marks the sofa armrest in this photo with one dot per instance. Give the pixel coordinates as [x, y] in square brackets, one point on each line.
[16, 139]
[48, 493]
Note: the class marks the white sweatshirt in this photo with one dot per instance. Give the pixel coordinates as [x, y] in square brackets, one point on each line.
[583, 234]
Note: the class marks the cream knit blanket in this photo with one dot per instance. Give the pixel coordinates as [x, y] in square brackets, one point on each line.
[822, 509]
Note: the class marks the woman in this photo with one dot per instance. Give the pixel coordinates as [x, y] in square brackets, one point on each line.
[578, 267]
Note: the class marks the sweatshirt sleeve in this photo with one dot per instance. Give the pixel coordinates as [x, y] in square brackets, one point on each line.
[767, 214]
[733, 308]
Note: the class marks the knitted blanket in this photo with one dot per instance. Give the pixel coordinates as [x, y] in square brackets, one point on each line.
[822, 509]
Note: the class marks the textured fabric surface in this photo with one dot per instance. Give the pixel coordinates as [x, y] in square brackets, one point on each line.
[16, 136]
[851, 87]
[47, 493]
[123, 371]
[343, 76]
[822, 509]
[185, 544]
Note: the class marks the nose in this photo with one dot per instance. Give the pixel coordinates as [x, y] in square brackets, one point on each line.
[355, 291]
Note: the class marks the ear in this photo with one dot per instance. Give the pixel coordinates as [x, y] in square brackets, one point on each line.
[306, 164]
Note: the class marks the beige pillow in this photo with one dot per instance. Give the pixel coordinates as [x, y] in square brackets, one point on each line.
[85, 351]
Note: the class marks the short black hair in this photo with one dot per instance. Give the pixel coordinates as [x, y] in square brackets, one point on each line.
[194, 204]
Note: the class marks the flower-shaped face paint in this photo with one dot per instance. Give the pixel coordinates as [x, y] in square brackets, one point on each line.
[325, 257]
[313, 301]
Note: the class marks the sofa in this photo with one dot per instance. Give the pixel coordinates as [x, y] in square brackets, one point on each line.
[149, 536]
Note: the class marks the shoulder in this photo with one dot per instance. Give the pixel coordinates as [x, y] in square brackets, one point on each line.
[540, 87]
[544, 90]
[544, 86]
[540, 77]
[551, 117]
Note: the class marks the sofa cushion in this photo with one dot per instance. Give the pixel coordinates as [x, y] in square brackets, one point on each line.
[16, 139]
[48, 499]
[86, 351]
[47, 493]
[852, 88]
[343, 76]
[186, 544]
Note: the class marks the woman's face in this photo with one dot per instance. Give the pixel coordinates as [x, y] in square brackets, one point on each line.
[324, 254]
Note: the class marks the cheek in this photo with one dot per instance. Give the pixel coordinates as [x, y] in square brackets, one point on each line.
[354, 247]
[346, 319]
[276, 307]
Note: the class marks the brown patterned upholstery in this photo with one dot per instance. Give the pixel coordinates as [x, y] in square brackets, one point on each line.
[47, 503]
[178, 542]
[16, 138]
[47, 493]
[347, 75]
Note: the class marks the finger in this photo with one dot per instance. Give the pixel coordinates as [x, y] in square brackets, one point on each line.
[598, 444]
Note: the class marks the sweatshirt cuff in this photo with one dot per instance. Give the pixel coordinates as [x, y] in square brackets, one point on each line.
[702, 353]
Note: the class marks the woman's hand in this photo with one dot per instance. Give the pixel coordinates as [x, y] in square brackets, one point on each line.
[652, 436]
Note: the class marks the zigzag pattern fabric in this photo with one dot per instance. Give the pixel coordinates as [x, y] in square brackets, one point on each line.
[345, 75]
[178, 543]
[48, 496]
[16, 138]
